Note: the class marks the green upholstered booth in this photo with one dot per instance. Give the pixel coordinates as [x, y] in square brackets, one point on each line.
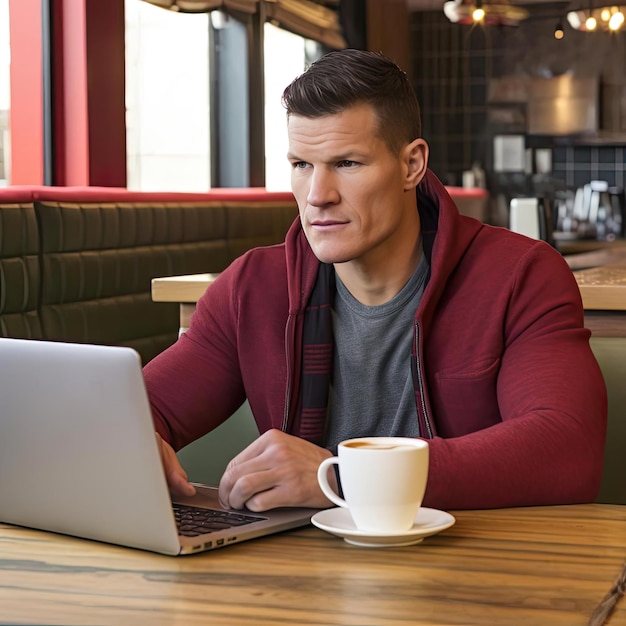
[20, 282]
[611, 355]
[76, 263]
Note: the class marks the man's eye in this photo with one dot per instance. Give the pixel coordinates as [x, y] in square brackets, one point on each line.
[299, 165]
[347, 163]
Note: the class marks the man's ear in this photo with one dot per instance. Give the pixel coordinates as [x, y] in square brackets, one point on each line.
[415, 157]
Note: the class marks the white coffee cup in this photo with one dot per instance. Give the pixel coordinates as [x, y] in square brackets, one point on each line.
[383, 481]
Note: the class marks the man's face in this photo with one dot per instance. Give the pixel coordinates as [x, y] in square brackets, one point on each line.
[350, 188]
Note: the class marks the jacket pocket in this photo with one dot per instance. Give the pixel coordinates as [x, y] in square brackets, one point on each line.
[466, 398]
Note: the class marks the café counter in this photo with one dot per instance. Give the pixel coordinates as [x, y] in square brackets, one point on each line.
[601, 276]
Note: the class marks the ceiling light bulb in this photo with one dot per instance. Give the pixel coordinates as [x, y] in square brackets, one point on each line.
[591, 23]
[605, 14]
[478, 14]
[617, 19]
[558, 32]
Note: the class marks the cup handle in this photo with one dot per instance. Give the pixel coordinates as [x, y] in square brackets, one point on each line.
[322, 479]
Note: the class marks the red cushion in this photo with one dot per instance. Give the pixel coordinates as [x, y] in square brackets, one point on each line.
[30, 193]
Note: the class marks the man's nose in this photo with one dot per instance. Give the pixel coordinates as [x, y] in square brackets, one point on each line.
[322, 188]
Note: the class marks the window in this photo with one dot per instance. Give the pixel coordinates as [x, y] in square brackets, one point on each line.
[5, 92]
[168, 80]
[286, 56]
[167, 99]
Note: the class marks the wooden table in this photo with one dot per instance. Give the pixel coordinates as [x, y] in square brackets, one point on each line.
[186, 290]
[528, 566]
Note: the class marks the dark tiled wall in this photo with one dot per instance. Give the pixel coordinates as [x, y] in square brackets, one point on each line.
[453, 65]
[450, 73]
[577, 165]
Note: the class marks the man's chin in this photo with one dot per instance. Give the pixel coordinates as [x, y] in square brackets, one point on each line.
[331, 259]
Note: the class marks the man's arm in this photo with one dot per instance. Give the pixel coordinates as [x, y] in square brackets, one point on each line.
[549, 447]
[196, 383]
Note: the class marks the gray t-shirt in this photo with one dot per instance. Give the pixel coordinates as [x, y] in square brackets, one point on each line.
[372, 388]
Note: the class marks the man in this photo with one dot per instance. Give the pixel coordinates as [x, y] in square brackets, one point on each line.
[386, 312]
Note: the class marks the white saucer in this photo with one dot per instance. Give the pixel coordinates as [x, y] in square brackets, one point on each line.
[339, 522]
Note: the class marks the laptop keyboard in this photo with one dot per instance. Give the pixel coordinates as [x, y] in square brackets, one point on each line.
[193, 521]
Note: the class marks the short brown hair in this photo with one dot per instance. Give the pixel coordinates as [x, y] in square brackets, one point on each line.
[344, 78]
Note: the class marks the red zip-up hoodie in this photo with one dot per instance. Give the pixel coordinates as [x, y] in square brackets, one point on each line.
[508, 391]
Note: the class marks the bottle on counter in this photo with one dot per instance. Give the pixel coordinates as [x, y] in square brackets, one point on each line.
[479, 175]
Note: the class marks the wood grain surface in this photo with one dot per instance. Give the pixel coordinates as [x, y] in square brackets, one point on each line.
[186, 288]
[604, 287]
[528, 566]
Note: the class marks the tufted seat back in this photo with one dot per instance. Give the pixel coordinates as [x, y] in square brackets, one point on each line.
[76, 263]
[20, 282]
[98, 260]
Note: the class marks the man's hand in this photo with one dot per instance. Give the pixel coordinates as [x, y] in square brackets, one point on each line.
[175, 475]
[275, 470]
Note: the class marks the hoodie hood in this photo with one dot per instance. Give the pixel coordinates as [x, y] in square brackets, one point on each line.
[446, 235]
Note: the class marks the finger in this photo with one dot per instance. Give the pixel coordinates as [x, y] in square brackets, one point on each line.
[277, 496]
[175, 475]
[260, 485]
[283, 473]
[249, 460]
[237, 483]
[285, 494]
[178, 482]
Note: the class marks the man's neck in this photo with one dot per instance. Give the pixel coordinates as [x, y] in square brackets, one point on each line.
[380, 282]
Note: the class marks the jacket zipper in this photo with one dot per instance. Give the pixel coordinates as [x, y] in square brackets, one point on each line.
[420, 382]
[288, 390]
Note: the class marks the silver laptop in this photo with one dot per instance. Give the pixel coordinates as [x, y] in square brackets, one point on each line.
[78, 456]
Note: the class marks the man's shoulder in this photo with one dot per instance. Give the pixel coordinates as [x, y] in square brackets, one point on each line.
[254, 281]
[502, 255]
[491, 238]
[263, 257]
